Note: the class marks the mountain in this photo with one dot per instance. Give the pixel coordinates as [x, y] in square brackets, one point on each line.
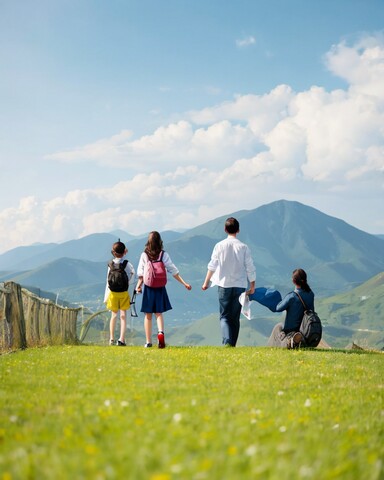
[62, 273]
[282, 236]
[285, 235]
[95, 247]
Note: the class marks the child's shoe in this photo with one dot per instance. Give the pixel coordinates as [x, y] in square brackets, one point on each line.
[121, 344]
[148, 345]
[112, 342]
[161, 340]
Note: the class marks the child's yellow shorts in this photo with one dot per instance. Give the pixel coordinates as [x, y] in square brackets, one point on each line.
[118, 301]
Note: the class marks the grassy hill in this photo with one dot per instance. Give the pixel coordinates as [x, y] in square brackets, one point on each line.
[190, 413]
[357, 315]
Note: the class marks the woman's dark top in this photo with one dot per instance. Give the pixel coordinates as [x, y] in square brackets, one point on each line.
[295, 310]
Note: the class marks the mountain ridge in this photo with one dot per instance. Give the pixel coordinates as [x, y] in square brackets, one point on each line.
[282, 235]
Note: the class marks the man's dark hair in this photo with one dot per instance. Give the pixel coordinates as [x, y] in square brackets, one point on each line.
[232, 226]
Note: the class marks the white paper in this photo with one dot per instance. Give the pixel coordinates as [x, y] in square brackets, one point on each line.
[245, 305]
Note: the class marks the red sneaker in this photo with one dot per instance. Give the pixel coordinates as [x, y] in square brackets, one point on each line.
[161, 340]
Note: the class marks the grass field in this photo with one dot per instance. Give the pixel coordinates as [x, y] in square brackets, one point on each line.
[91, 412]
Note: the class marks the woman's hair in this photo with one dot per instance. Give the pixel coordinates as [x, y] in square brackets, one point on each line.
[118, 249]
[154, 245]
[299, 278]
[232, 226]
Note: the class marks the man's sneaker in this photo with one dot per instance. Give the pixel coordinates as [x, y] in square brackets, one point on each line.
[148, 345]
[161, 340]
[121, 344]
[112, 342]
[296, 340]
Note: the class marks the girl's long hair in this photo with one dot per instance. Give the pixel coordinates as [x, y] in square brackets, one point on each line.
[154, 245]
[299, 278]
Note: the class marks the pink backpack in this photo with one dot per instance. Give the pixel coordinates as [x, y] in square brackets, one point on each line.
[155, 274]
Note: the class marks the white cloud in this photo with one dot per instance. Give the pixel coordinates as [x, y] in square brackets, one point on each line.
[361, 64]
[169, 146]
[102, 150]
[309, 146]
[246, 41]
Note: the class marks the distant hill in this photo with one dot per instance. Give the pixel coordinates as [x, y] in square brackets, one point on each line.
[355, 316]
[282, 236]
[95, 247]
[206, 331]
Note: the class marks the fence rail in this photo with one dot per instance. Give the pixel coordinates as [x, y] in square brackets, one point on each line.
[27, 320]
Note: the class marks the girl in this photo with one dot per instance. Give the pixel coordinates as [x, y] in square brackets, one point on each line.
[155, 299]
[287, 334]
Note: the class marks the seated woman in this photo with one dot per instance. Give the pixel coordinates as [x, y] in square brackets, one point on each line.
[287, 334]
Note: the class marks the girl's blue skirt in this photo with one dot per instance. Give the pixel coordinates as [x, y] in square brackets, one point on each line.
[155, 300]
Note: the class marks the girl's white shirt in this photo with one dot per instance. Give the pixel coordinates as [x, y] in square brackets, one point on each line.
[130, 272]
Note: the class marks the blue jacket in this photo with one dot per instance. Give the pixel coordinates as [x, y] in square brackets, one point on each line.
[295, 310]
[267, 297]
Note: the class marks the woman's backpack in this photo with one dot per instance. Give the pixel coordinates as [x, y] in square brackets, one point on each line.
[310, 326]
[155, 273]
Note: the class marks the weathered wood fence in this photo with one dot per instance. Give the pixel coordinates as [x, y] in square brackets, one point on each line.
[27, 320]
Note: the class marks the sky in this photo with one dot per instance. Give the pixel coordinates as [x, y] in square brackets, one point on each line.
[145, 115]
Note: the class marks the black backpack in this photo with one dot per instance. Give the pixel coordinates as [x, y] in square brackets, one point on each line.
[117, 277]
[310, 326]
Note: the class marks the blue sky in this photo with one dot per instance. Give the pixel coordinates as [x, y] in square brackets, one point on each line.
[148, 114]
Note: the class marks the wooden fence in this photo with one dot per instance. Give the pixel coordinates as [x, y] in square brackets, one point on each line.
[27, 320]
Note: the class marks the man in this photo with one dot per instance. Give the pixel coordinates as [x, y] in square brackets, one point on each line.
[231, 268]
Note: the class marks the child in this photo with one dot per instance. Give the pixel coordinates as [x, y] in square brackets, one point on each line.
[155, 299]
[116, 296]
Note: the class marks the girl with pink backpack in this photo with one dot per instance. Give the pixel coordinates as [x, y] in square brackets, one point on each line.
[152, 271]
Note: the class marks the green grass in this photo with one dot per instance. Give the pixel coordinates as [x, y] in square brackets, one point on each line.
[91, 412]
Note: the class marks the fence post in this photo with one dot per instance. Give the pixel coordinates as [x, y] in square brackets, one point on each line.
[14, 317]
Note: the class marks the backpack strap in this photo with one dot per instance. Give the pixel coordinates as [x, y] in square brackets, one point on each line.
[302, 301]
[122, 265]
[159, 259]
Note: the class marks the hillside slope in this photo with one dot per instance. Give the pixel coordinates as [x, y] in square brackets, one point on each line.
[355, 316]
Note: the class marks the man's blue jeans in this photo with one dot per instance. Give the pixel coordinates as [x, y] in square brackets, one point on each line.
[230, 309]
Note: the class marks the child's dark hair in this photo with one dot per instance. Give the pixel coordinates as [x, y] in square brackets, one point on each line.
[232, 226]
[154, 245]
[299, 277]
[118, 249]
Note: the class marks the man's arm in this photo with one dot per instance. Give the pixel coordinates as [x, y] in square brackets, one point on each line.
[207, 280]
[251, 288]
